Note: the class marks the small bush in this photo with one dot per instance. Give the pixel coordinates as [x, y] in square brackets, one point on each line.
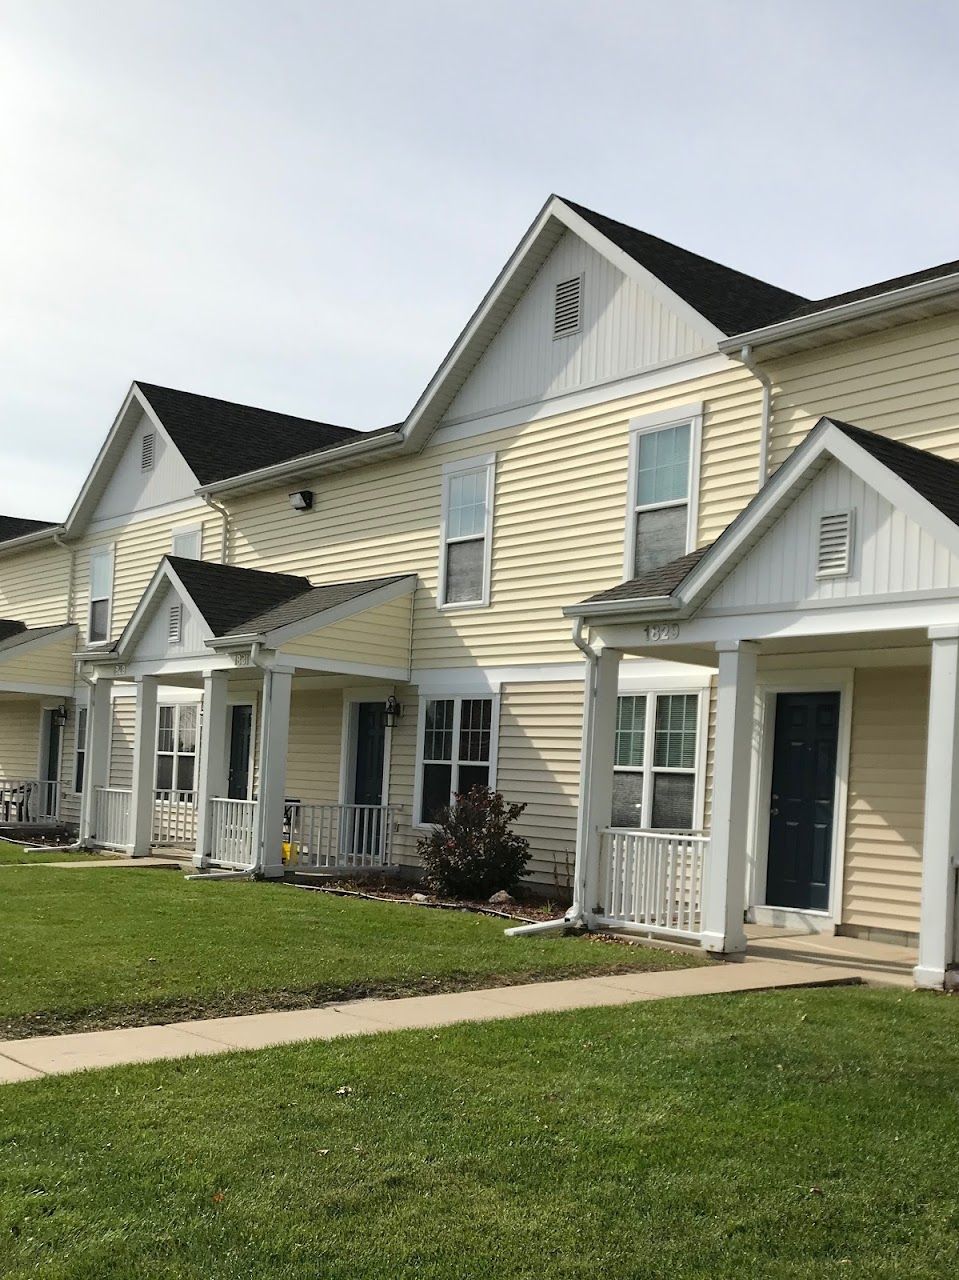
[473, 852]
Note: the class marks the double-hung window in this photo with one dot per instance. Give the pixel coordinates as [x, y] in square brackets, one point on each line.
[655, 761]
[465, 536]
[80, 750]
[176, 747]
[661, 517]
[101, 595]
[457, 751]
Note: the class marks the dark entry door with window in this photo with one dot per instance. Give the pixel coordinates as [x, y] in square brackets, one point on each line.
[802, 800]
[370, 748]
[241, 729]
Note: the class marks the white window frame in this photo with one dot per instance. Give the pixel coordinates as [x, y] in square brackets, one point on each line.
[649, 423]
[80, 752]
[187, 530]
[176, 753]
[451, 470]
[457, 698]
[107, 552]
[648, 768]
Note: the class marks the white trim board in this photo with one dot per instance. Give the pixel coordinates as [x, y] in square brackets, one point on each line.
[641, 672]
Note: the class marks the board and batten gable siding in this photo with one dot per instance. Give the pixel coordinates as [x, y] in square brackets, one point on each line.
[138, 548]
[901, 382]
[625, 328]
[558, 526]
[154, 640]
[34, 585]
[884, 817]
[891, 553]
[131, 489]
[377, 637]
[20, 738]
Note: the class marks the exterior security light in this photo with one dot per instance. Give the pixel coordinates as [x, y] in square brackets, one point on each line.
[302, 500]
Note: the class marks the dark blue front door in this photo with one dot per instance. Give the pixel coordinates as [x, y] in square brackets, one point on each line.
[370, 747]
[802, 799]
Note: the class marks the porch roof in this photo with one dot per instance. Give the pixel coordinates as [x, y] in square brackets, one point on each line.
[688, 580]
[36, 659]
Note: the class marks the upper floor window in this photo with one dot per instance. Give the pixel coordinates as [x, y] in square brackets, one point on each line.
[187, 542]
[663, 462]
[456, 751]
[465, 536]
[101, 595]
[656, 762]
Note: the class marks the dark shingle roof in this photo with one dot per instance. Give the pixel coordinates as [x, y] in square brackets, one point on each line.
[10, 627]
[24, 634]
[313, 602]
[729, 299]
[220, 439]
[933, 478]
[18, 527]
[250, 601]
[228, 596]
[658, 582]
[874, 290]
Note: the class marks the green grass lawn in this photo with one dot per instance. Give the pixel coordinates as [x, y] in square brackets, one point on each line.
[85, 949]
[14, 854]
[798, 1135]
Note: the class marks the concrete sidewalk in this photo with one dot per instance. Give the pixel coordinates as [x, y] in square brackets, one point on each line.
[56, 1055]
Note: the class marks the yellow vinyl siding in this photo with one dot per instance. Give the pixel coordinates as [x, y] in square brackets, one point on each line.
[34, 585]
[539, 748]
[50, 663]
[902, 382]
[138, 549]
[883, 860]
[19, 738]
[377, 637]
[121, 742]
[558, 528]
[313, 759]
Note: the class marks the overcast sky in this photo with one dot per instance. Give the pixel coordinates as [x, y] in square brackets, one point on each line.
[297, 204]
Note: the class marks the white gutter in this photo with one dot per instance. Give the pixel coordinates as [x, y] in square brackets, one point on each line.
[879, 304]
[308, 462]
[28, 539]
[225, 527]
[652, 605]
[746, 357]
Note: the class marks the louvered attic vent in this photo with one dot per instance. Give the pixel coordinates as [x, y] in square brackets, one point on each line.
[176, 623]
[147, 451]
[835, 545]
[568, 307]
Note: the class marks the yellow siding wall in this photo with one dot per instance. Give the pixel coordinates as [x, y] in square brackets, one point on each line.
[378, 637]
[50, 664]
[903, 382]
[19, 738]
[558, 527]
[313, 761]
[121, 742]
[886, 792]
[34, 585]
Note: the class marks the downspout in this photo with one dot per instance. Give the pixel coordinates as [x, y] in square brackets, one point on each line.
[764, 380]
[575, 917]
[224, 515]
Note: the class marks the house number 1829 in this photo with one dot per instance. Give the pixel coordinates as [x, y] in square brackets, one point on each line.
[657, 632]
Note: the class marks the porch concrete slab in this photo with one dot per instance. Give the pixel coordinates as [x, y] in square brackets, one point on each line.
[13, 1072]
[262, 1030]
[877, 963]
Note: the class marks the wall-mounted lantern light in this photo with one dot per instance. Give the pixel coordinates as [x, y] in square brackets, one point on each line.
[393, 711]
[60, 716]
[302, 500]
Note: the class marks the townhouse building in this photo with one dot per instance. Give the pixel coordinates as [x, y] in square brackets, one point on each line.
[663, 551]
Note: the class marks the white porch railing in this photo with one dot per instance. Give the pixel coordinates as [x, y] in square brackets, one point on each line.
[232, 832]
[174, 818]
[347, 836]
[28, 800]
[652, 881]
[112, 817]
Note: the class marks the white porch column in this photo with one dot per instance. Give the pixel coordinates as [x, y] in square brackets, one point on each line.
[142, 801]
[596, 776]
[274, 738]
[724, 897]
[214, 760]
[96, 765]
[940, 835]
